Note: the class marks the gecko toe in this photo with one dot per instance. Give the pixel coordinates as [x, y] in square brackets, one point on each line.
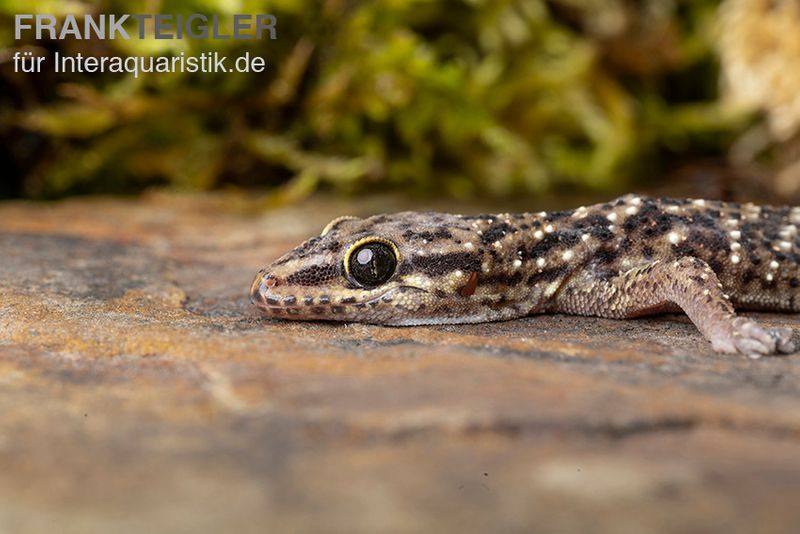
[751, 339]
[783, 340]
[748, 337]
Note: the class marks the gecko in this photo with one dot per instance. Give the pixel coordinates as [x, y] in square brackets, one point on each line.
[630, 257]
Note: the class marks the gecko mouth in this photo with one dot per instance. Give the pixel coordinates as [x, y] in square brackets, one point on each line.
[320, 306]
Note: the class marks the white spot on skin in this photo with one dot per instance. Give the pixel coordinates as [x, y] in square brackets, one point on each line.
[551, 289]
[585, 237]
[735, 246]
[548, 228]
[736, 234]
[631, 210]
[636, 201]
[672, 208]
[699, 202]
[485, 267]
[542, 214]
[458, 273]
[611, 217]
[673, 238]
[540, 262]
[497, 244]
[469, 246]
[732, 222]
[480, 232]
[538, 234]
[785, 245]
[567, 255]
[734, 259]
[424, 241]
[517, 264]
[773, 264]
[769, 277]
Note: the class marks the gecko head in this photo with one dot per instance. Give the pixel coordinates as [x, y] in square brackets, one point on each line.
[403, 269]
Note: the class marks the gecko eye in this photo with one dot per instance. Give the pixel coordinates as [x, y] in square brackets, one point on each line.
[371, 261]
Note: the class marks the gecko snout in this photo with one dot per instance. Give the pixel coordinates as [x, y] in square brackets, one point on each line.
[260, 288]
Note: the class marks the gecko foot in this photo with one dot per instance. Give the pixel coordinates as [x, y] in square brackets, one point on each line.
[748, 337]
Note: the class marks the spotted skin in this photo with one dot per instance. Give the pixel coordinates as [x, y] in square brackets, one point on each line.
[626, 258]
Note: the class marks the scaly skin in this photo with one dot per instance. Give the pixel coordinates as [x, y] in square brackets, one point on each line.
[626, 258]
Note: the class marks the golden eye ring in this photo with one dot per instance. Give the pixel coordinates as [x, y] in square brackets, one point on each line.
[371, 261]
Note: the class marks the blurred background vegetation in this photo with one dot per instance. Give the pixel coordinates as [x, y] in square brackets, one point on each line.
[461, 98]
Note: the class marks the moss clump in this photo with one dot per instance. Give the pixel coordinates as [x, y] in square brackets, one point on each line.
[455, 97]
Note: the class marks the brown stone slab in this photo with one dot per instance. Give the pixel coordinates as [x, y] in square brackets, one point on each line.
[139, 391]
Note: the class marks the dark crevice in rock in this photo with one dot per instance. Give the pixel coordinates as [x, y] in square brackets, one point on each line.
[530, 429]
[539, 428]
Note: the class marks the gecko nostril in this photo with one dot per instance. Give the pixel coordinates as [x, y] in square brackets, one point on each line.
[270, 280]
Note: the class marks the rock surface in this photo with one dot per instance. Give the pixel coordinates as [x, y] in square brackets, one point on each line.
[140, 392]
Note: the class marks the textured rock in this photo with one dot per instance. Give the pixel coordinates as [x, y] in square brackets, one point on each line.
[139, 391]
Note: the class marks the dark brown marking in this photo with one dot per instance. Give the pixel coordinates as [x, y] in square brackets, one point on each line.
[495, 232]
[312, 276]
[438, 264]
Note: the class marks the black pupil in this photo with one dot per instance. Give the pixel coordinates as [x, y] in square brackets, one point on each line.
[372, 264]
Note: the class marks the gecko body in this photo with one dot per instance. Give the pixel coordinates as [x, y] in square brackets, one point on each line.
[626, 258]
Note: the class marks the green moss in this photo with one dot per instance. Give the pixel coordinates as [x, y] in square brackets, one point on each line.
[461, 98]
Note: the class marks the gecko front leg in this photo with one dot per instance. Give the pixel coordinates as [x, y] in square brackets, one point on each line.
[688, 284]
